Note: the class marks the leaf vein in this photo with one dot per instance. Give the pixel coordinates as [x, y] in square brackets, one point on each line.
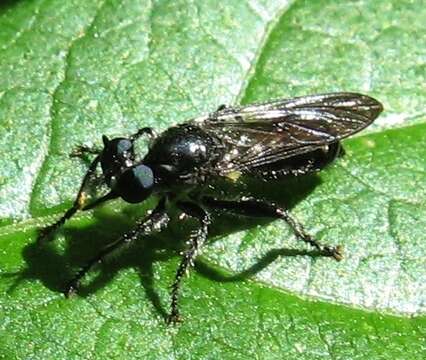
[262, 43]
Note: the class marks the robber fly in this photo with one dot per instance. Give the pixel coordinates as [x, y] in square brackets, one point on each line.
[275, 139]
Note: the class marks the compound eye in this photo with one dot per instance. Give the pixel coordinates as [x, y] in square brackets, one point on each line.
[144, 175]
[123, 145]
[135, 184]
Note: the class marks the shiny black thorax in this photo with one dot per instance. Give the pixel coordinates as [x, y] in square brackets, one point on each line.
[183, 155]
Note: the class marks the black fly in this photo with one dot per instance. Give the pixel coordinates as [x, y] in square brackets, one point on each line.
[271, 140]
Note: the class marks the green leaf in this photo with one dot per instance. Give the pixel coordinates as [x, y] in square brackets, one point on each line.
[74, 70]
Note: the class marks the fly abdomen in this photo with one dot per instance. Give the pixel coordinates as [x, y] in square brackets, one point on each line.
[301, 164]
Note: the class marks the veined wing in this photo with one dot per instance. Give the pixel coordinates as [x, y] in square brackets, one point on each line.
[260, 134]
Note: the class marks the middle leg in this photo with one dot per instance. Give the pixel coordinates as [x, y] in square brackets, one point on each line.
[188, 256]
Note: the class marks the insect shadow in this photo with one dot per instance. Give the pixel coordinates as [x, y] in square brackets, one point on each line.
[54, 267]
[7, 4]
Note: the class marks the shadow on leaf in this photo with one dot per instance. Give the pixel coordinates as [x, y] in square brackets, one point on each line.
[55, 266]
[7, 4]
[204, 269]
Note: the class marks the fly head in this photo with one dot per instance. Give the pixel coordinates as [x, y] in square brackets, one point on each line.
[117, 155]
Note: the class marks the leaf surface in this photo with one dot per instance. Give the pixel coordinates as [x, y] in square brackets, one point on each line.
[74, 70]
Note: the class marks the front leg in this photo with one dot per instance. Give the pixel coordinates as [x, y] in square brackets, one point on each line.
[188, 256]
[82, 150]
[45, 233]
[144, 131]
[258, 208]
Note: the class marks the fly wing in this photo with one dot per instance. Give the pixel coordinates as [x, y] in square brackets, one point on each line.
[261, 134]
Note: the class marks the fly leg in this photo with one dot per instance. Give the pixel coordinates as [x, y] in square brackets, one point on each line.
[188, 256]
[258, 208]
[82, 150]
[155, 221]
[46, 232]
[144, 131]
[78, 204]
